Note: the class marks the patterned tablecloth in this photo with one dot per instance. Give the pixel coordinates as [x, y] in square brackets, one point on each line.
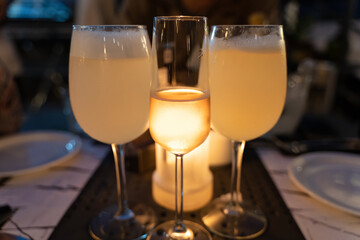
[315, 219]
[41, 198]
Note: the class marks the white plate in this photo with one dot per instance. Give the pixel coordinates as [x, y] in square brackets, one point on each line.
[331, 177]
[33, 151]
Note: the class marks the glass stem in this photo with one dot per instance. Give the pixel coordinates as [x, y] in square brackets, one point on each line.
[179, 226]
[123, 209]
[238, 152]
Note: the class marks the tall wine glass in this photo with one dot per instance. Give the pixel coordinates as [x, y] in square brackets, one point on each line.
[109, 80]
[180, 105]
[248, 87]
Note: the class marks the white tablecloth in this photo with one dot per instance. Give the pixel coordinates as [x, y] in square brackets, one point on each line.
[315, 219]
[43, 197]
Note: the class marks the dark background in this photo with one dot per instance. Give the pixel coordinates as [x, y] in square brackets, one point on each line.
[41, 32]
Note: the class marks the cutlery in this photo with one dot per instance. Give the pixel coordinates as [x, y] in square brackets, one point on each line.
[303, 146]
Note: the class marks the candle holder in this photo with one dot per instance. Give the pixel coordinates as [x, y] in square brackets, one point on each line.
[220, 149]
[198, 179]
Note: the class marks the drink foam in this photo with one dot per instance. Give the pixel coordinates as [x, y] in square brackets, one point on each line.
[131, 43]
[248, 42]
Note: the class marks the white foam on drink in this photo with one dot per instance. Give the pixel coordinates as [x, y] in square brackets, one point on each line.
[249, 42]
[132, 43]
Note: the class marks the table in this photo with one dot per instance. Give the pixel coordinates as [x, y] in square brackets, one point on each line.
[75, 197]
[100, 192]
[42, 197]
[315, 219]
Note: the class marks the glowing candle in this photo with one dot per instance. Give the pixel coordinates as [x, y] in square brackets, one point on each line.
[220, 149]
[198, 179]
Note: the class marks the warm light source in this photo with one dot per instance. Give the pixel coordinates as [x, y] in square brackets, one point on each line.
[198, 179]
[220, 149]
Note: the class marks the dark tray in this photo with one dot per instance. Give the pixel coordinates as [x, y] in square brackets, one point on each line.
[99, 193]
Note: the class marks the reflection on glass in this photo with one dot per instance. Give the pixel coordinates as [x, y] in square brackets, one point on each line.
[248, 85]
[109, 80]
[180, 105]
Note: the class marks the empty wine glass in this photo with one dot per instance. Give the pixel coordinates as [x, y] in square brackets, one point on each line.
[247, 68]
[109, 81]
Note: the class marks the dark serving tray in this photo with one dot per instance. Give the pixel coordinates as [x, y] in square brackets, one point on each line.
[99, 193]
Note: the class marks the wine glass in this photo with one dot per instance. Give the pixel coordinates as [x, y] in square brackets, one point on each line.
[180, 105]
[110, 72]
[247, 75]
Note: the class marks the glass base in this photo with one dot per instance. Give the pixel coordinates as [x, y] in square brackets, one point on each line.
[165, 231]
[134, 224]
[242, 221]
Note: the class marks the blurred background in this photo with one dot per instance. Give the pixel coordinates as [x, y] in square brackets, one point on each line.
[323, 50]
